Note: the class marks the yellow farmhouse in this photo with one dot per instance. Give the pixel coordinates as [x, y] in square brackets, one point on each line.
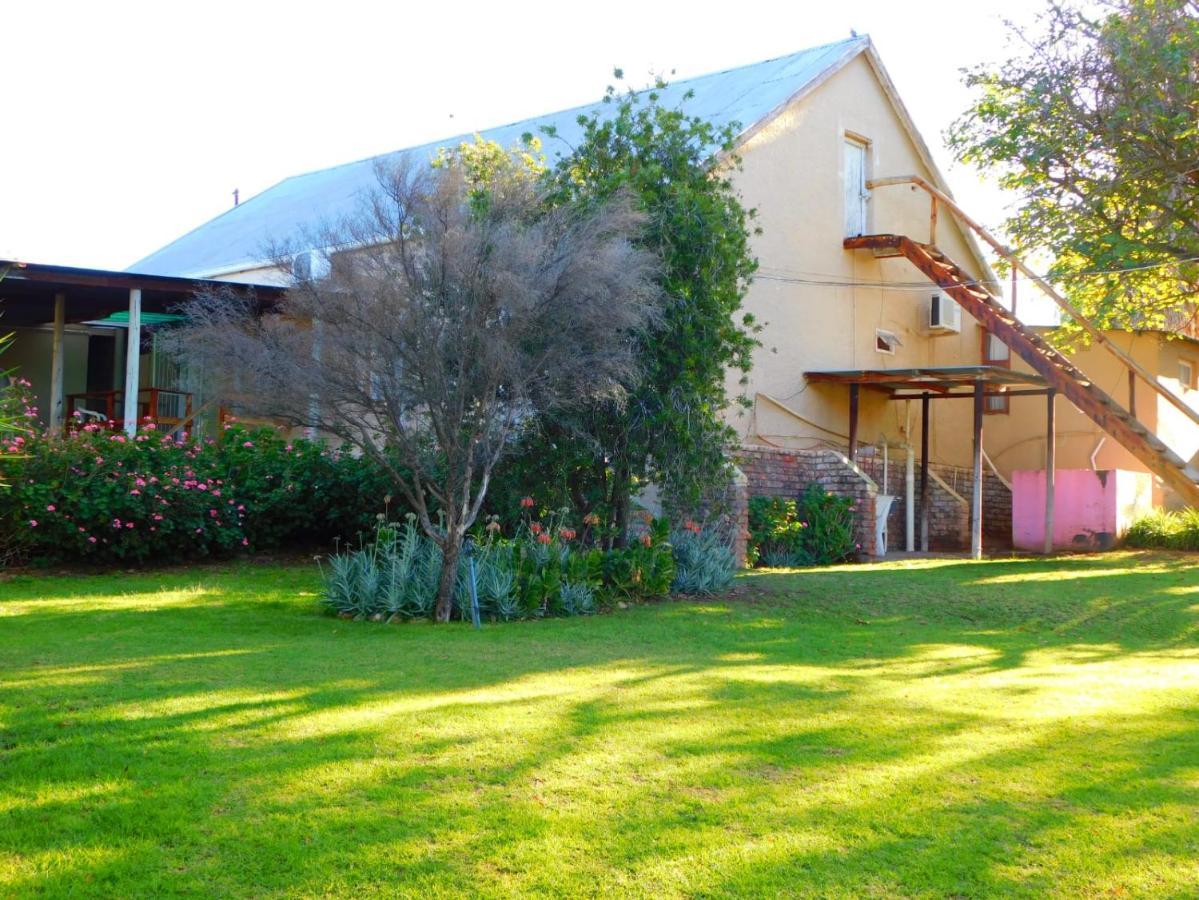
[887, 370]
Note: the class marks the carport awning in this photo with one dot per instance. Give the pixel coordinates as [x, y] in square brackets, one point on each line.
[28, 292]
[938, 380]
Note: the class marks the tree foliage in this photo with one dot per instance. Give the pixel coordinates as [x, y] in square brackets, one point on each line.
[460, 305]
[1095, 127]
[670, 428]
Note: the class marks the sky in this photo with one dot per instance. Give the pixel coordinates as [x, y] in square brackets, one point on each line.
[131, 123]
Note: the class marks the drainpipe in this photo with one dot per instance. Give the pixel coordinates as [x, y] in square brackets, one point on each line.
[1095, 452]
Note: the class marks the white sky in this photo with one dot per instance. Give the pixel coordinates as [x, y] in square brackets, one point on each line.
[129, 123]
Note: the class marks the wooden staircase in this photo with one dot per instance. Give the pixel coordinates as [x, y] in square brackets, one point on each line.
[1057, 370]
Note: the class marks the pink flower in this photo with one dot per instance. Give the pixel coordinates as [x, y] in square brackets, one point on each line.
[202, 486]
[116, 523]
[134, 492]
[91, 540]
[199, 531]
[33, 523]
[245, 542]
[248, 444]
[128, 524]
[50, 507]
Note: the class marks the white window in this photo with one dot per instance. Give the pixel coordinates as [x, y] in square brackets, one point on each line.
[886, 341]
[1186, 373]
[856, 194]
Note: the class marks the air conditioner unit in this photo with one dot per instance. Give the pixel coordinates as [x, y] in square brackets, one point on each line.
[944, 315]
[310, 265]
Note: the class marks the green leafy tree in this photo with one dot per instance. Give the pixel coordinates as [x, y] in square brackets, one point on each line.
[670, 427]
[1095, 127]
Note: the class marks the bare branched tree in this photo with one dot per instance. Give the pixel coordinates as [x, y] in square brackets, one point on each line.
[451, 312]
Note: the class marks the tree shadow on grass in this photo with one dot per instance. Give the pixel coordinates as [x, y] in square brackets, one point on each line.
[232, 740]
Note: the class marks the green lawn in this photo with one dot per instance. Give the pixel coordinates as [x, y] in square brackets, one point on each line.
[939, 728]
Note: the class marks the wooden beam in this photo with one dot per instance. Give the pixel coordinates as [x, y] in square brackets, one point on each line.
[1050, 469]
[57, 363]
[133, 355]
[924, 431]
[853, 422]
[1132, 393]
[1031, 392]
[976, 494]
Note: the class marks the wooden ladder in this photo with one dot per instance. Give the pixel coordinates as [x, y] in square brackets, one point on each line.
[1057, 370]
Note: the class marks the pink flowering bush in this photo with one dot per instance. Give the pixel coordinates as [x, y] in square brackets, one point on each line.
[95, 495]
[102, 496]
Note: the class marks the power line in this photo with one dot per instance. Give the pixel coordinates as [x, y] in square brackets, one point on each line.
[821, 279]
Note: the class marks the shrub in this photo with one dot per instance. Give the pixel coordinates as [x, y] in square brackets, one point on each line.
[95, 495]
[303, 492]
[704, 560]
[1162, 529]
[543, 570]
[816, 530]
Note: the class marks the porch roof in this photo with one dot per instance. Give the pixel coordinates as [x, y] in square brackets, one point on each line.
[27, 292]
[938, 380]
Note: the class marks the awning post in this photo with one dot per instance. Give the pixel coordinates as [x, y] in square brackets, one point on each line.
[1050, 466]
[54, 413]
[924, 429]
[976, 496]
[133, 356]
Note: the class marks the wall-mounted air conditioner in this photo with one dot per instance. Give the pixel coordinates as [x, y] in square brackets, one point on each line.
[944, 315]
[310, 265]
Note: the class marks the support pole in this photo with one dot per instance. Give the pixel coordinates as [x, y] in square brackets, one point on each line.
[853, 422]
[133, 358]
[976, 495]
[54, 414]
[924, 410]
[1132, 393]
[1050, 470]
[909, 496]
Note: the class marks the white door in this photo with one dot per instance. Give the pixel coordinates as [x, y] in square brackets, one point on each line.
[856, 194]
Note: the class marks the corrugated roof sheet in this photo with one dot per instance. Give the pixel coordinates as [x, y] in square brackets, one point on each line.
[235, 239]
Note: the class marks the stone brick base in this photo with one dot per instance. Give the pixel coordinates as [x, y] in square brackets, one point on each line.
[775, 472]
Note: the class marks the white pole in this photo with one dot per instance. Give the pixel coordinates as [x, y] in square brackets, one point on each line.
[133, 358]
[909, 498]
[56, 363]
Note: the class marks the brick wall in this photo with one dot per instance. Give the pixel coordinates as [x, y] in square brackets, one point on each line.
[774, 472]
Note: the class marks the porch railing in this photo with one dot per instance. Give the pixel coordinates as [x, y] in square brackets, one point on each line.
[163, 407]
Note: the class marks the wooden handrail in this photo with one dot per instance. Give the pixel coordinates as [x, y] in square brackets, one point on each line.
[939, 196]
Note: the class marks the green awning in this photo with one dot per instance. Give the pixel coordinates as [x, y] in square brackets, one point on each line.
[121, 319]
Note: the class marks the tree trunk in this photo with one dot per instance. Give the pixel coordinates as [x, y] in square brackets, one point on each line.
[621, 502]
[449, 574]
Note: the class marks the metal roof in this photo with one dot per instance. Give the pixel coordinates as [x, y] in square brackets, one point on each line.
[235, 239]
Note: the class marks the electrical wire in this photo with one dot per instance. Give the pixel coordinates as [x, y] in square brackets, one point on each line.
[822, 279]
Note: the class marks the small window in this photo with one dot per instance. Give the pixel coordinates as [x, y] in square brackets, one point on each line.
[886, 341]
[1186, 373]
[857, 195]
[997, 404]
